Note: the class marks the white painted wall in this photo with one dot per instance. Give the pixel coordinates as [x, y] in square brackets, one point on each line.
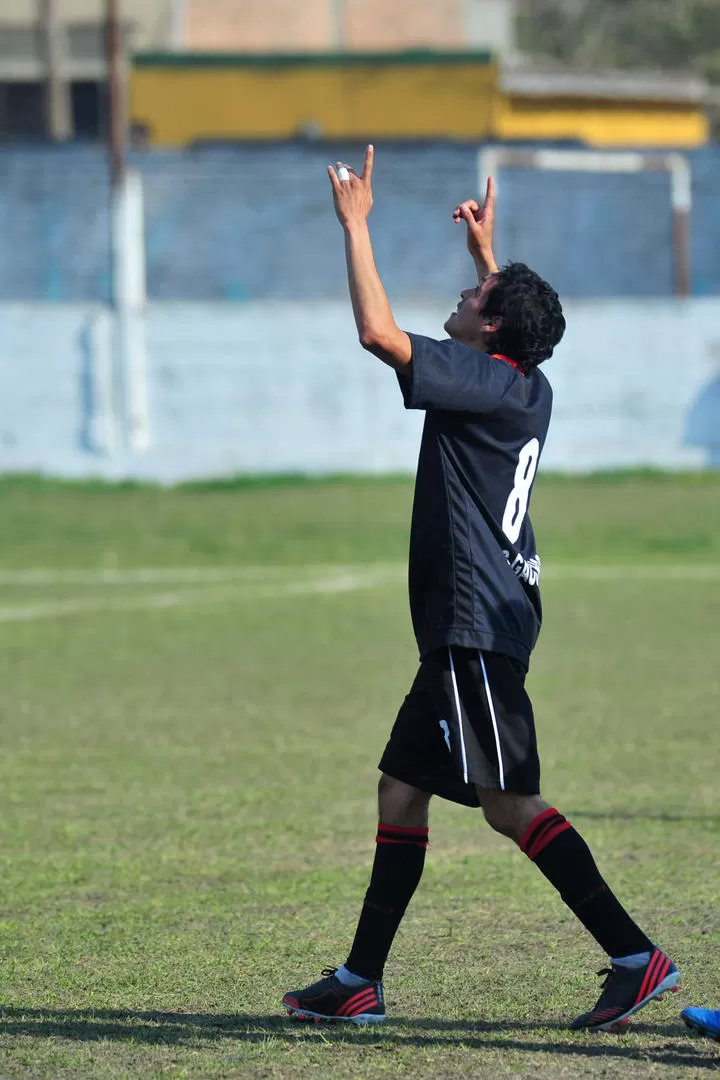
[278, 387]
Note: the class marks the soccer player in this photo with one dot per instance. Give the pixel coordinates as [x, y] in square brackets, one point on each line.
[706, 1021]
[466, 732]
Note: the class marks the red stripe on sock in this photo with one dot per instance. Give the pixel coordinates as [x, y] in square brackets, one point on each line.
[404, 830]
[546, 814]
[542, 832]
[412, 843]
[655, 961]
[547, 837]
[401, 834]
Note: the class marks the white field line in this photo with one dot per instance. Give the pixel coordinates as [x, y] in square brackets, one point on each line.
[236, 583]
[659, 572]
[255, 575]
[162, 575]
[337, 583]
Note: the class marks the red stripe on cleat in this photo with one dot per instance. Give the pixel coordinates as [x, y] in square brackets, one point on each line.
[358, 1002]
[650, 981]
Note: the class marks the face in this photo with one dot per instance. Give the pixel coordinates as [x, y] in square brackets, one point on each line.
[466, 323]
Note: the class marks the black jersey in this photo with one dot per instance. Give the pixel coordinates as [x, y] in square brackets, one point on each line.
[474, 568]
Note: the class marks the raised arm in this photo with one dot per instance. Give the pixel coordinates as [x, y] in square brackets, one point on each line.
[377, 329]
[480, 221]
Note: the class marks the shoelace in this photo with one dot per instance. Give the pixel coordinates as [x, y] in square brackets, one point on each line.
[607, 972]
[327, 972]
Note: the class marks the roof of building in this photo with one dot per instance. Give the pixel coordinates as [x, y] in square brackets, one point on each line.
[310, 59]
[532, 79]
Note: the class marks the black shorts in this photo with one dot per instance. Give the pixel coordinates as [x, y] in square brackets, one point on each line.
[467, 722]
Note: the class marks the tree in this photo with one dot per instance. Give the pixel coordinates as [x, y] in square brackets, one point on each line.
[676, 35]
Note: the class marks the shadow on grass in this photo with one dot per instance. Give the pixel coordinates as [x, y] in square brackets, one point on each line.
[643, 815]
[258, 1031]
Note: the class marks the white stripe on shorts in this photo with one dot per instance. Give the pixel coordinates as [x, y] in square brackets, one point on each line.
[491, 706]
[459, 716]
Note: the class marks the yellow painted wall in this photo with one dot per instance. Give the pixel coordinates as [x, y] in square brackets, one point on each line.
[181, 105]
[453, 97]
[603, 123]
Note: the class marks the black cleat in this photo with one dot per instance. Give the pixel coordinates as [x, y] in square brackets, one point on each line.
[329, 999]
[626, 990]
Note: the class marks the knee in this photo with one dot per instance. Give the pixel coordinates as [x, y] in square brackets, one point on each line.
[510, 814]
[500, 820]
[402, 805]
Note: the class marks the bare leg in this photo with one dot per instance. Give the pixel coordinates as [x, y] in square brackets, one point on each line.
[510, 814]
[401, 804]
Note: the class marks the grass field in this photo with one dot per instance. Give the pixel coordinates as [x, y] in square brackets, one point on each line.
[195, 687]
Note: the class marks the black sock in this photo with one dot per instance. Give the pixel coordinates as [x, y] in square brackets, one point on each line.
[396, 873]
[566, 861]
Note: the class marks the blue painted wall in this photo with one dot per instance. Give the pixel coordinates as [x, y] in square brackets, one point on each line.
[255, 222]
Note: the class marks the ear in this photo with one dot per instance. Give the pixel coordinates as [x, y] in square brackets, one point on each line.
[491, 323]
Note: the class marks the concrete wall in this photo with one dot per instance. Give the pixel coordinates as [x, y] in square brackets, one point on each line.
[277, 387]
[285, 25]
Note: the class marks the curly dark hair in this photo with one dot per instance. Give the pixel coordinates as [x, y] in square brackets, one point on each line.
[532, 318]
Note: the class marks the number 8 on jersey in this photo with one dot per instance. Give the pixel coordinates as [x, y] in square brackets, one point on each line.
[517, 503]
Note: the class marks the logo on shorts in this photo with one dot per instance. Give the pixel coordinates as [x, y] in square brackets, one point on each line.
[446, 733]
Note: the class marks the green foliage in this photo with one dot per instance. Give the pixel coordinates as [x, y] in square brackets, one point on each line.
[672, 35]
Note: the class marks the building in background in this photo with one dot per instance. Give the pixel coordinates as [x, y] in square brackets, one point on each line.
[180, 99]
[52, 67]
[272, 26]
[228, 70]
[602, 109]
[52, 61]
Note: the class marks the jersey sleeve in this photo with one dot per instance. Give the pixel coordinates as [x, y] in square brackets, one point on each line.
[450, 375]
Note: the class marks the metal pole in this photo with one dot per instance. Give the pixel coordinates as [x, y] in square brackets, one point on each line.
[681, 178]
[58, 102]
[127, 251]
[116, 90]
[681, 243]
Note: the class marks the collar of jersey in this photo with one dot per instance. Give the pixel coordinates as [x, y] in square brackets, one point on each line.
[512, 363]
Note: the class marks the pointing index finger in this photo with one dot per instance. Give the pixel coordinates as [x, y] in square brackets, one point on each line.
[490, 193]
[369, 162]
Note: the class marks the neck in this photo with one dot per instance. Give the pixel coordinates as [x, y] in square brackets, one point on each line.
[474, 342]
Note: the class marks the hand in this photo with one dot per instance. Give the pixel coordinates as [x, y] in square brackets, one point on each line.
[353, 197]
[479, 221]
